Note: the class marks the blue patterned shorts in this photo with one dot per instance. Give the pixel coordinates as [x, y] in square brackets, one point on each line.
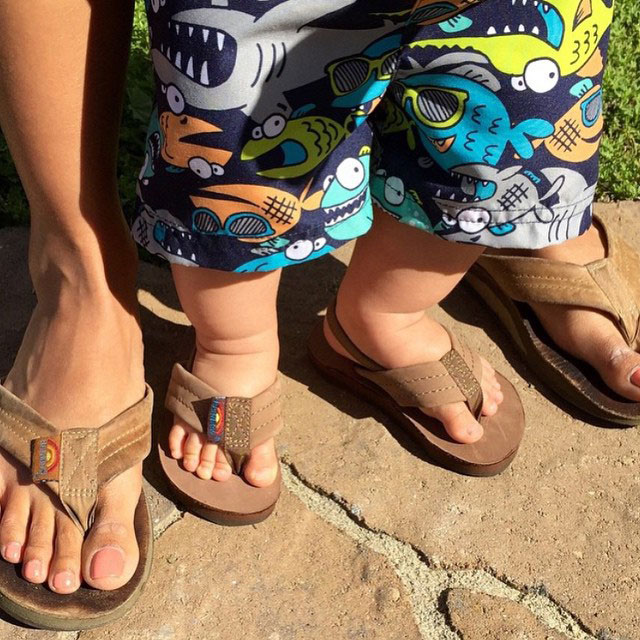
[280, 124]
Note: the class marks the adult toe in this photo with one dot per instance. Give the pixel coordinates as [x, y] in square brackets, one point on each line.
[39, 546]
[110, 552]
[64, 570]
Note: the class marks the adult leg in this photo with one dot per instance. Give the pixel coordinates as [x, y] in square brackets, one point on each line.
[62, 69]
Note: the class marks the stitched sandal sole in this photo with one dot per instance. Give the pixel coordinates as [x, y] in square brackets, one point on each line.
[220, 517]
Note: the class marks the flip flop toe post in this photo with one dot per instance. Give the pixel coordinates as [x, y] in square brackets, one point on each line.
[75, 464]
[235, 424]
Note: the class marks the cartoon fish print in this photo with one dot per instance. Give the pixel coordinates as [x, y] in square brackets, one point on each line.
[538, 42]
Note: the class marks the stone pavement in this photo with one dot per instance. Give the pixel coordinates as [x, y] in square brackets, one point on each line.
[369, 540]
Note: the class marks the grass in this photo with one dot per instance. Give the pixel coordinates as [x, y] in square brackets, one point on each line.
[620, 168]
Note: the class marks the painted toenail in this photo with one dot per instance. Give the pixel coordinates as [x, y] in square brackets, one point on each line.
[107, 563]
[635, 376]
[63, 581]
[33, 569]
[12, 551]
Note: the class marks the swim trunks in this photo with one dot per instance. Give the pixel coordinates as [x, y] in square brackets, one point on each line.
[279, 124]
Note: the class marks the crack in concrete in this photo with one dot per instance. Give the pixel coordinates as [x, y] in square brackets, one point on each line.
[161, 527]
[424, 579]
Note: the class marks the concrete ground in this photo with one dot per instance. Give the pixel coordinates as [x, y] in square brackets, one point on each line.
[369, 540]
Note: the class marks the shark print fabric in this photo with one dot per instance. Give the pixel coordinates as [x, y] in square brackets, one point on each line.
[280, 124]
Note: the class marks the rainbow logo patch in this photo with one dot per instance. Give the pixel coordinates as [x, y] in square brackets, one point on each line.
[216, 419]
[45, 459]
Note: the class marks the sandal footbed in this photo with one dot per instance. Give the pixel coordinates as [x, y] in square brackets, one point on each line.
[233, 502]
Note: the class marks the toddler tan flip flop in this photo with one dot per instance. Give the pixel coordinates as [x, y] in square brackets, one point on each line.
[507, 284]
[401, 393]
[235, 424]
[75, 464]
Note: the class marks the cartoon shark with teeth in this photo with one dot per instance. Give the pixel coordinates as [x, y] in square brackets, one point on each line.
[347, 200]
[160, 233]
[500, 202]
[564, 41]
[265, 65]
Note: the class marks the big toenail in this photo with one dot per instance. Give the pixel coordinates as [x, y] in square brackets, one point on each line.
[635, 377]
[11, 551]
[63, 581]
[107, 563]
[33, 569]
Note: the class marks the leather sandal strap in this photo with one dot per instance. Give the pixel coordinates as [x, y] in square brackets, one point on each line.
[610, 285]
[454, 378]
[234, 423]
[345, 341]
[75, 463]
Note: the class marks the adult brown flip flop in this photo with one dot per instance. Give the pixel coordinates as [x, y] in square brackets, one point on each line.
[235, 424]
[402, 392]
[75, 464]
[507, 284]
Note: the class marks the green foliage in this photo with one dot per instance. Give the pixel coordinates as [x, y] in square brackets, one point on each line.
[620, 164]
[620, 167]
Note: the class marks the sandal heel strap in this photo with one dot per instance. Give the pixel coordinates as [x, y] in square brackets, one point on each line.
[345, 341]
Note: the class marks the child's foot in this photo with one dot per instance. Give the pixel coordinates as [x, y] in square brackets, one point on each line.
[585, 333]
[380, 338]
[79, 365]
[233, 375]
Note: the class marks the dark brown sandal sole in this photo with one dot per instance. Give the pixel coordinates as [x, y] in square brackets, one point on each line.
[574, 380]
[217, 516]
[415, 423]
[39, 607]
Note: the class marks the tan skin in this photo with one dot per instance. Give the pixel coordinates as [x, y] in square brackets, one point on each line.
[60, 116]
[59, 111]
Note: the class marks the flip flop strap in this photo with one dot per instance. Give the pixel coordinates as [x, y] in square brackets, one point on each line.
[345, 341]
[453, 378]
[234, 423]
[610, 285]
[75, 463]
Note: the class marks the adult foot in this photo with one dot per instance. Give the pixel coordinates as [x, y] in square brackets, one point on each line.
[80, 364]
[393, 343]
[588, 334]
[231, 374]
